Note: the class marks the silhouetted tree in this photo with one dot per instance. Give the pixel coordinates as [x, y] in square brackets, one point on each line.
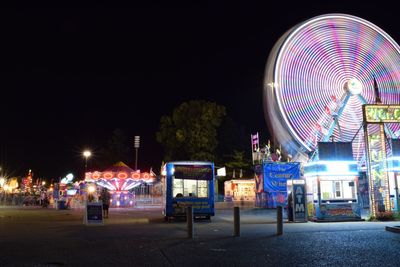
[191, 132]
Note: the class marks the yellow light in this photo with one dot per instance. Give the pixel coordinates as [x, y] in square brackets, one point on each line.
[91, 188]
[44, 182]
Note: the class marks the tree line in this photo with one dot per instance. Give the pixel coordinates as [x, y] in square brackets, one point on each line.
[195, 130]
[201, 130]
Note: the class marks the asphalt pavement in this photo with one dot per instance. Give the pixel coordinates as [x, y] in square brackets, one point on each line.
[31, 236]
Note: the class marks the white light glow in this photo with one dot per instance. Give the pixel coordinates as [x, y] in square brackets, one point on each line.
[221, 171]
[354, 86]
[87, 153]
[300, 181]
[337, 167]
[91, 188]
[327, 162]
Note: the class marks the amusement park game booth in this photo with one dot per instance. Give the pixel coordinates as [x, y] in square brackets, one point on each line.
[331, 181]
[240, 190]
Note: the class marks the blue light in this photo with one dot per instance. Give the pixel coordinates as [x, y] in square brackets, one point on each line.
[327, 168]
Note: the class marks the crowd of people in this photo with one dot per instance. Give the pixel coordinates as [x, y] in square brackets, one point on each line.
[20, 199]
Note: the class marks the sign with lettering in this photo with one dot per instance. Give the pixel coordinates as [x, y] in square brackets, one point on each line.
[275, 179]
[381, 113]
[94, 213]
[299, 203]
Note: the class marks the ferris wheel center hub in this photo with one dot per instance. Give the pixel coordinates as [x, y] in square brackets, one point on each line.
[354, 86]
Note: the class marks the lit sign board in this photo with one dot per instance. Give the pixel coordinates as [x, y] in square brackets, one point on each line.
[299, 202]
[381, 113]
[193, 172]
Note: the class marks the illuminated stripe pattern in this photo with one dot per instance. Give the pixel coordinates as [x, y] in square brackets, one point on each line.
[307, 72]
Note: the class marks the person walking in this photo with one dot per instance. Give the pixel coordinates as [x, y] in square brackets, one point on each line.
[105, 198]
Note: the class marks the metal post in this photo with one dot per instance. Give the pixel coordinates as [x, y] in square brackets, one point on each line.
[279, 220]
[136, 158]
[236, 221]
[189, 220]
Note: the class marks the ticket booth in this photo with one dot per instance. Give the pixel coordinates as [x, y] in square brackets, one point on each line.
[332, 182]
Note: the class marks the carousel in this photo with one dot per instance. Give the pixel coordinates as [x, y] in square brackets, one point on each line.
[120, 180]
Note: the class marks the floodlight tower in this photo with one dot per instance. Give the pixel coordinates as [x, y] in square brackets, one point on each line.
[137, 145]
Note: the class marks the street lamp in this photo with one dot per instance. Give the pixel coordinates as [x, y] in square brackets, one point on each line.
[86, 154]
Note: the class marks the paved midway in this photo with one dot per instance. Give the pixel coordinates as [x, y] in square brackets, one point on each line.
[140, 237]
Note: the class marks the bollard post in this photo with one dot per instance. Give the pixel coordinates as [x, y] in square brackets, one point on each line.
[189, 220]
[279, 220]
[236, 221]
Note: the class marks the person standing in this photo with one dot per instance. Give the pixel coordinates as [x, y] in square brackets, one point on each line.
[105, 198]
[290, 207]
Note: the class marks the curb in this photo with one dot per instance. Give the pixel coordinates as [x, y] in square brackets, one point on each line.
[394, 229]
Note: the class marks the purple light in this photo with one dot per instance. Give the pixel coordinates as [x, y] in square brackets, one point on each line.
[309, 67]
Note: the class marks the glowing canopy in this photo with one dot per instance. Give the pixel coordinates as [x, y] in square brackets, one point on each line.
[119, 177]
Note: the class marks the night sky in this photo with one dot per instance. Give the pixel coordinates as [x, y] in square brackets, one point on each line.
[70, 76]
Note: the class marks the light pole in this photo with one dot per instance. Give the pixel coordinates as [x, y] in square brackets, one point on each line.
[137, 145]
[86, 154]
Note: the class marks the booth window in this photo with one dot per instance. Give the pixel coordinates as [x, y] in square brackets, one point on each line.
[177, 185]
[338, 191]
[190, 188]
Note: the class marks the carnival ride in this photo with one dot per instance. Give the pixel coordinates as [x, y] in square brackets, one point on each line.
[318, 76]
[119, 179]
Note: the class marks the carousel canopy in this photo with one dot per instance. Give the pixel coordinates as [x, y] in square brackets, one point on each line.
[119, 167]
[119, 177]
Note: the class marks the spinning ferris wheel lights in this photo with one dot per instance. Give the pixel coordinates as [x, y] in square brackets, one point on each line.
[318, 76]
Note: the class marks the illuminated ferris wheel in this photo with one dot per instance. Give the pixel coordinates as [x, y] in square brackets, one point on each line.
[318, 76]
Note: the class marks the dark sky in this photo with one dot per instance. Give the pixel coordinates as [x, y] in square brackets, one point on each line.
[70, 76]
